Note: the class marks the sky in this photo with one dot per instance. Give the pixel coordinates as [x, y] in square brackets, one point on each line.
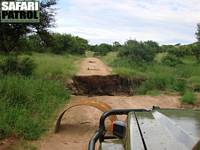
[106, 21]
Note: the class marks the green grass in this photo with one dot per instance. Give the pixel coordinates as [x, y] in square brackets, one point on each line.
[110, 57]
[27, 105]
[189, 97]
[159, 77]
[159, 57]
[54, 66]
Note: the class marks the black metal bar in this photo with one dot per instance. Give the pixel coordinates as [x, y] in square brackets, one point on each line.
[94, 139]
[102, 129]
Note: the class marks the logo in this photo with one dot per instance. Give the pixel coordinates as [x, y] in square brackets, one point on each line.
[20, 11]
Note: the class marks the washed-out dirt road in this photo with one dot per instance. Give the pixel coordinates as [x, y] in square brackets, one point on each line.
[80, 123]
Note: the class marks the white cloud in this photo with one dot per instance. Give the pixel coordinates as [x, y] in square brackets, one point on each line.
[166, 21]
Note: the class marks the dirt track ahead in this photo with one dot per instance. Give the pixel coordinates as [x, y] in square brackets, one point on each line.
[93, 66]
[80, 123]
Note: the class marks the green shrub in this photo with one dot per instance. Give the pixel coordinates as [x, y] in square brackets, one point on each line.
[26, 66]
[27, 105]
[138, 51]
[194, 83]
[171, 60]
[9, 65]
[189, 97]
[160, 77]
[15, 65]
[68, 43]
[157, 82]
[180, 85]
[102, 49]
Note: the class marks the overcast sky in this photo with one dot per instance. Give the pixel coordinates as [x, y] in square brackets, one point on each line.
[106, 21]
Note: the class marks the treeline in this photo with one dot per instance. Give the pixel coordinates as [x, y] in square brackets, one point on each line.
[136, 51]
[139, 51]
[60, 43]
[146, 51]
[131, 49]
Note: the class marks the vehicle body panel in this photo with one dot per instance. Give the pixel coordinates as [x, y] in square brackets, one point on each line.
[180, 130]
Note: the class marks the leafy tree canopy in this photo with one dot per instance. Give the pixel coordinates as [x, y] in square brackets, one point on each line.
[10, 34]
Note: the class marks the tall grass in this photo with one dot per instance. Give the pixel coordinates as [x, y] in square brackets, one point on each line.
[27, 105]
[189, 97]
[51, 65]
[159, 77]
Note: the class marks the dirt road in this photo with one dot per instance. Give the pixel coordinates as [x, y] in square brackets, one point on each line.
[80, 123]
[93, 66]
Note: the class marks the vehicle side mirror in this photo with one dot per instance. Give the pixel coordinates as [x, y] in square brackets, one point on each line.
[119, 129]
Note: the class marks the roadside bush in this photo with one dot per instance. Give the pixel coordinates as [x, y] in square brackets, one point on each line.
[68, 43]
[178, 50]
[171, 60]
[194, 83]
[15, 65]
[189, 97]
[180, 85]
[27, 105]
[137, 51]
[156, 83]
[35, 43]
[196, 51]
[102, 49]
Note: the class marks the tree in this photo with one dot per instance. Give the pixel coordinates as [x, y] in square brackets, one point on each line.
[196, 46]
[69, 43]
[198, 32]
[116, 45]
[10, 34]
[152, 46]
[102, 49]
[196, 51]
[138, 51]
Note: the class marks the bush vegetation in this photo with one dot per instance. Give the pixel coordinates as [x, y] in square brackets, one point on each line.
[189, 97]
[171, 60]
[15, 65]
[55, 66]
[28, 99]
[61, 43]
[102, 49]
[172, 68]
[33, 60]
[27, 105]
[139, 51]
[174, 77]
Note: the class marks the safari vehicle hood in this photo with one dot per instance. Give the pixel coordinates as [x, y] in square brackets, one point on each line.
[163, 129]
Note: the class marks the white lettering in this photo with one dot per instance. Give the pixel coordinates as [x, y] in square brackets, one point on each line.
[31, 6]
[12, 6]
[4, 5]
[18, 5]
[36, 6]
[23, 6]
